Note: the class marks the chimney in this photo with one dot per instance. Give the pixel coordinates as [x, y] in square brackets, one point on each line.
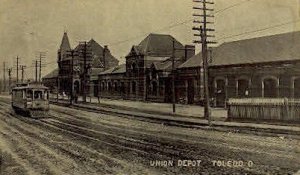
[189, 51]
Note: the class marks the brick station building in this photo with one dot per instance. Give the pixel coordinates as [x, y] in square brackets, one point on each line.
[147, 73]
[67, 76]
[266, 67]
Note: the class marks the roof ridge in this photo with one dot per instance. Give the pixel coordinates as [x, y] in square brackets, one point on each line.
[261, 37]
[147, 43]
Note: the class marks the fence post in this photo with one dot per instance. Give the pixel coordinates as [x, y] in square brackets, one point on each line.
[286, 106]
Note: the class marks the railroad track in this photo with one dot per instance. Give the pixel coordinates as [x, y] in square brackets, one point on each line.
[147, 150]
[63, 146]
[141, 144]
[182, 123]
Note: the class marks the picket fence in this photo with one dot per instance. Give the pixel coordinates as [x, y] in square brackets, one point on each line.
[279, 109]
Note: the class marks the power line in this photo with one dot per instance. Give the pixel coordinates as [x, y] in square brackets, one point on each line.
[259, 30]
[232, 6]
[176, 24]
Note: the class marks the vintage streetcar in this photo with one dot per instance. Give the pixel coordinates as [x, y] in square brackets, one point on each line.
[30, 99]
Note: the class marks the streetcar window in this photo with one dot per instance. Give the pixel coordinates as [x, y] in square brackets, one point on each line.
[29, 94]
[46, 95]
[38, 95]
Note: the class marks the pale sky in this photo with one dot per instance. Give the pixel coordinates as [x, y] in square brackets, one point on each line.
[30, 26]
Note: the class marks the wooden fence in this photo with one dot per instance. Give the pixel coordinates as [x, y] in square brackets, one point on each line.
[280, 109]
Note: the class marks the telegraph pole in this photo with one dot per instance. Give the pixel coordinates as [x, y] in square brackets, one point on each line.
[174, 73]
[17, 68]
[36, 70]
[9, 76]
[104, 56]
[40, 72]
[203, 40]
[72, 74]
[40, 57]
[84, 71]
[173, 76]
[104, 62]
[4, 77]
[22, 69]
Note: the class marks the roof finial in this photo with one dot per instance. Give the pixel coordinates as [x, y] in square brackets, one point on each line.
[65, 29]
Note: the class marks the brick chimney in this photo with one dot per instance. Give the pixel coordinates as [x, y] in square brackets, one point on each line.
[189, 51]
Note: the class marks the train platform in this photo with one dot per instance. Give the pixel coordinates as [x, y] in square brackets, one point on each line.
[194, 111]
[189, 115]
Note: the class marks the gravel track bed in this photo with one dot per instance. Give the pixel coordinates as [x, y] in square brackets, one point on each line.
[110, 144]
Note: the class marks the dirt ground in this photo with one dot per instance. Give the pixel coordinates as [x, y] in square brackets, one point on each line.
[70, 141]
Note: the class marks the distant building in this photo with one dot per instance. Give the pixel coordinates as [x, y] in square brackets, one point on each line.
[70, 71]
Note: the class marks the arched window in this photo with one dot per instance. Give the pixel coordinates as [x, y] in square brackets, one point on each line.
[116, 86]
[109, 86]
[103, 86]
[154, 88]
[270, 87]
[133, 87]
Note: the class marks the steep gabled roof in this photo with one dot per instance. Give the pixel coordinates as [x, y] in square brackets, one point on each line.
[157, 45]
[280, 47]
[97, 53]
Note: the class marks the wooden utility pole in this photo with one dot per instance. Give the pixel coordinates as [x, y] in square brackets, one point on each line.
[9, 77]
[104, 56]
[104, 64]
[17, 68]
[71, 77]
[40, 72]
[174, 72]
[22, 71]
[84, 75]
[173, 76]
[4, 77]
[203, 40]
[40, 57]
[58, 84]
[36, 70]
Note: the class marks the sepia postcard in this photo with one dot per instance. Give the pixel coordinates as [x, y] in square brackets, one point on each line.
[154, 87]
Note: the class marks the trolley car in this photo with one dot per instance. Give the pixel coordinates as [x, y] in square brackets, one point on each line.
[30, 99]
